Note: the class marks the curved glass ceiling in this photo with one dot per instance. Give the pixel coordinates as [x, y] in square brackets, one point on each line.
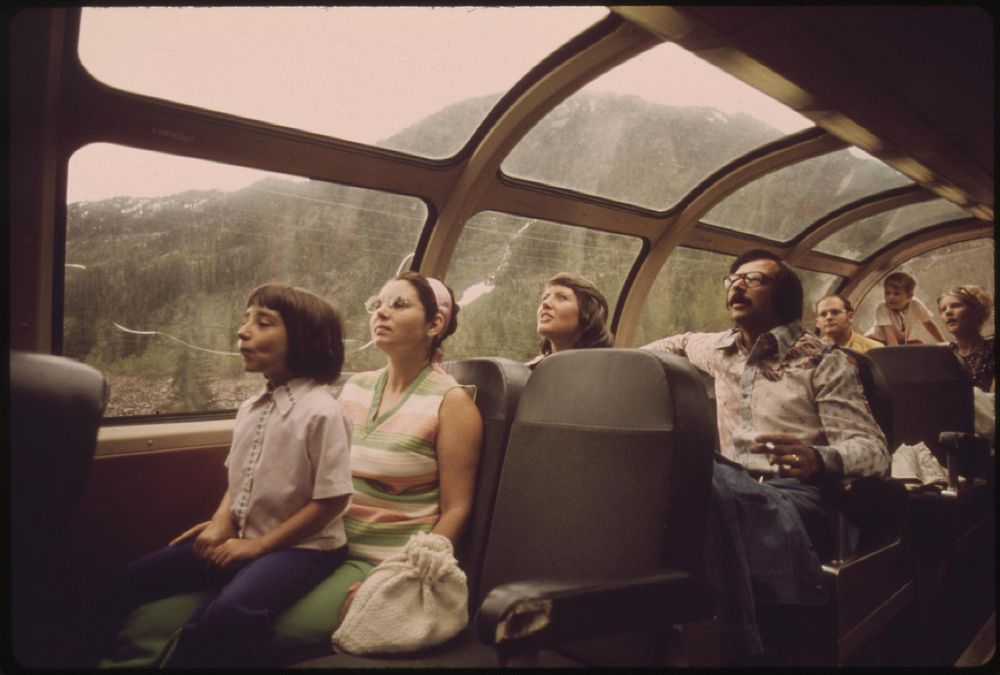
[414, 79]
[650, 130]
[773, 205]
[863, 238]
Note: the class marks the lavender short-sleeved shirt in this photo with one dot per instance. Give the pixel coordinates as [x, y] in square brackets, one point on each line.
[290, 446]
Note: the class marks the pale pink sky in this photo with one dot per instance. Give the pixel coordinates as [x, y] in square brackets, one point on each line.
[359, 73]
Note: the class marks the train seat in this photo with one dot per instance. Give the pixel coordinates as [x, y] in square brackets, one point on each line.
[869, 577]
[499, 383]
[303, 631]
[870, 580]
[930, 392]
[932, 403]
[596, 536]
[953, 528]
[56, 405]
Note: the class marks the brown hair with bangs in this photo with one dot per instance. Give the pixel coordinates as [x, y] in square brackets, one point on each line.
[593, 312]
[313, 329]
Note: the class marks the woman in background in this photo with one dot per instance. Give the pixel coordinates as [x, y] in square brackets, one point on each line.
[964, 310]
[573, 314]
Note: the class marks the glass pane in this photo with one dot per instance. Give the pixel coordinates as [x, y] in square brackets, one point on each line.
[773, 206]
[815, 285]
[937, 272]
[863, 238]
[413, 79]
[162, 251]
[650, 130]
[688, 296]
[501, 265]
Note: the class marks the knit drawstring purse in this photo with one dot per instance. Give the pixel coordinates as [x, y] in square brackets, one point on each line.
[414, 599]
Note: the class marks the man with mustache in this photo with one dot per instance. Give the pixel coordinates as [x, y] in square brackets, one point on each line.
[791, 415]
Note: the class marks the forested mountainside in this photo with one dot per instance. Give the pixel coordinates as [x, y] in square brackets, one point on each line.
[182, 265]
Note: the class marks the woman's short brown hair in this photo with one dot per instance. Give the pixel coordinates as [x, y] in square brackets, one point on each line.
[593, 312]
[313, 329]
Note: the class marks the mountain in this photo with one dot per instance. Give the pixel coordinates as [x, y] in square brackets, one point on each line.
[175, 270]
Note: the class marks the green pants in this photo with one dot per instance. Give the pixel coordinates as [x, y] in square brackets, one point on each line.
[310, 621]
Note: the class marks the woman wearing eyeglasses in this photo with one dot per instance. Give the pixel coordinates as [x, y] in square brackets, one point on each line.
[964, 310]
[416, 437]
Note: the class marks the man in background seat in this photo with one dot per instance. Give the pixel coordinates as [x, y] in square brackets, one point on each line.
[835, 321]
[791, 416]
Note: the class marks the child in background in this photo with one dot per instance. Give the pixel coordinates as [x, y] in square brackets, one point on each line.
[895, 318]
[278, 530]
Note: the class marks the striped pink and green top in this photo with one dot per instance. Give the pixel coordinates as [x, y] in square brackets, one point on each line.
[393, 462]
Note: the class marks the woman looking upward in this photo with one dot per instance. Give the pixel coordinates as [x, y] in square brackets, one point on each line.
[964, 310]
[572, 314]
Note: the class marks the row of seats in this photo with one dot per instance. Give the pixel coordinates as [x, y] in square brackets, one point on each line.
[580, 490]
[588, 521]
[585, 542]
[923, 394]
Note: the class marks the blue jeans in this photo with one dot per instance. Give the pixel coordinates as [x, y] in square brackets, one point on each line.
[231, 629]
[760, 548]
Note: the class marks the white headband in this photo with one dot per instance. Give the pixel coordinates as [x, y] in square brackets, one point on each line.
[443, 298]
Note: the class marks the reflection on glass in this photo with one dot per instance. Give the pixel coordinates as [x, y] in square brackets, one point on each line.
[501, 265]
[936, 272]
[650, 130]
[414, 79]
[782, 204]
[163, 251]
[863, 238]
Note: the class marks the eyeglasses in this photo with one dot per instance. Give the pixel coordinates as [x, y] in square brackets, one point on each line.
[397, 304]
[751, 279]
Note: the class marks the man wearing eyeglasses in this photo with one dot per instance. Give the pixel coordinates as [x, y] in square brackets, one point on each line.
[835, 322]
[791, 414]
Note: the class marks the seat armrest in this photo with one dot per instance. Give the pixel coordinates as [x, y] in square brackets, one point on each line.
[877, 505]
[534, 614]
[965, 450]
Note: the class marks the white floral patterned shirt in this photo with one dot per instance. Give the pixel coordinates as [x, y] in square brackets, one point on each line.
[789, 382]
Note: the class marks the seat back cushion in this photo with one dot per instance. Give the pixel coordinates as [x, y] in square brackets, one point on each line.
[931, 392]
[607, 470]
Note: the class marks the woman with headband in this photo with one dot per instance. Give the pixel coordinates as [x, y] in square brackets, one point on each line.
[964, 310]
[416, 437]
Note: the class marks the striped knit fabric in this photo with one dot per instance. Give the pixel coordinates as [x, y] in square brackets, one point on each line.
[393, 462]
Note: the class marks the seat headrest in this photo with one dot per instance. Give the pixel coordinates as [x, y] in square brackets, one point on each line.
[919, 363]
[633, 378]
[498, 383]
[57, 378]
